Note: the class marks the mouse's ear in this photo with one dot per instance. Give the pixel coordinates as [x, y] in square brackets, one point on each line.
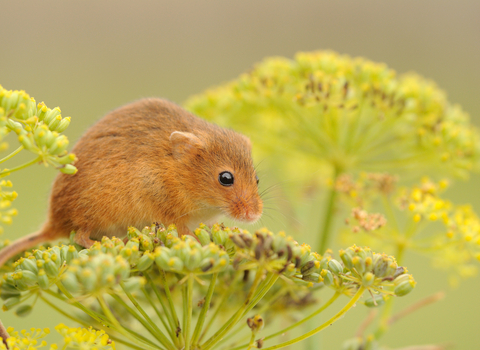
[184, 143]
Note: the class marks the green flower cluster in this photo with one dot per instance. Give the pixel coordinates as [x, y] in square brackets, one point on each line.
[349, 113]
[379, 273]
[157, 263]
[38, 128]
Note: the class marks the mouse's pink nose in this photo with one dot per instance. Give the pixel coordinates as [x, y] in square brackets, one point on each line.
[251, 216]
[246, 211]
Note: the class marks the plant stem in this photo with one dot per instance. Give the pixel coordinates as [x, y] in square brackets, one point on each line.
[252, 341]
[18, 150]
[331, 321]
[205, 308]
[153, 328]
[20, 167]
[114, 321]
[177, 329]
[322, 308]
[136, 316]
[157, 311]
[223, 300]
[282, 291]
[236, 317]
[87, 325]
[171, 321]
[97, 317]
[267, 284]
[329, 213]
[189, 312]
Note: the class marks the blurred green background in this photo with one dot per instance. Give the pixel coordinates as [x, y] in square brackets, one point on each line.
[89, 57]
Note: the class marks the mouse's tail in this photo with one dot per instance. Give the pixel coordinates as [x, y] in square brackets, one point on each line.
[4, 334]
[23, 244]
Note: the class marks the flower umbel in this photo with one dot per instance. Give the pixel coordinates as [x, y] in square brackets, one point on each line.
[232, 266]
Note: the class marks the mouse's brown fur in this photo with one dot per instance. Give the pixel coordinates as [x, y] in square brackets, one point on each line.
[148, 161]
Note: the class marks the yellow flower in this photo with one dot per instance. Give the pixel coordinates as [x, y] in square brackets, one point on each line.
[85, 339]
[27, 340]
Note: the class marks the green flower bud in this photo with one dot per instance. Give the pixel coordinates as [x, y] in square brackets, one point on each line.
[400, 279]
[14, 126]
[26, 141]
[50, 138]
[51, 114]
[11, 302]
[69, 280]
[404, 288]
[359, 264]
[71, 254]
[67, 159]
[335, 267]
[327, 277]
[38, 254]
[175, 264]
[314, 277]
[380, 265]
[146, 243]
[63, 125]
[29, 277]
[132, 243]
[218, 235]
[346, 257]
[24, 310]
[193, 260]
[133, 284]
[203, 236]
[29, 264]
[88, 279]
[51, 268]
[55, 122]
[59, 146]
[376, 301]
[145, 261]
[162, 257]
[8, 290]
[368, 279]
[42, 279]
[41, 111]
[69, 169]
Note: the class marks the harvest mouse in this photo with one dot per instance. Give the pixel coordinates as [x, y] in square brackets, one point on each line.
[149, 161]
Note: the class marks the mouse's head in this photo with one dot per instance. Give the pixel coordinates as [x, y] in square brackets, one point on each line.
[221, 166]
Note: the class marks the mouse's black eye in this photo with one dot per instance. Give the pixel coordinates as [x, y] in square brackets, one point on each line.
[225, 178]
[256, 178]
